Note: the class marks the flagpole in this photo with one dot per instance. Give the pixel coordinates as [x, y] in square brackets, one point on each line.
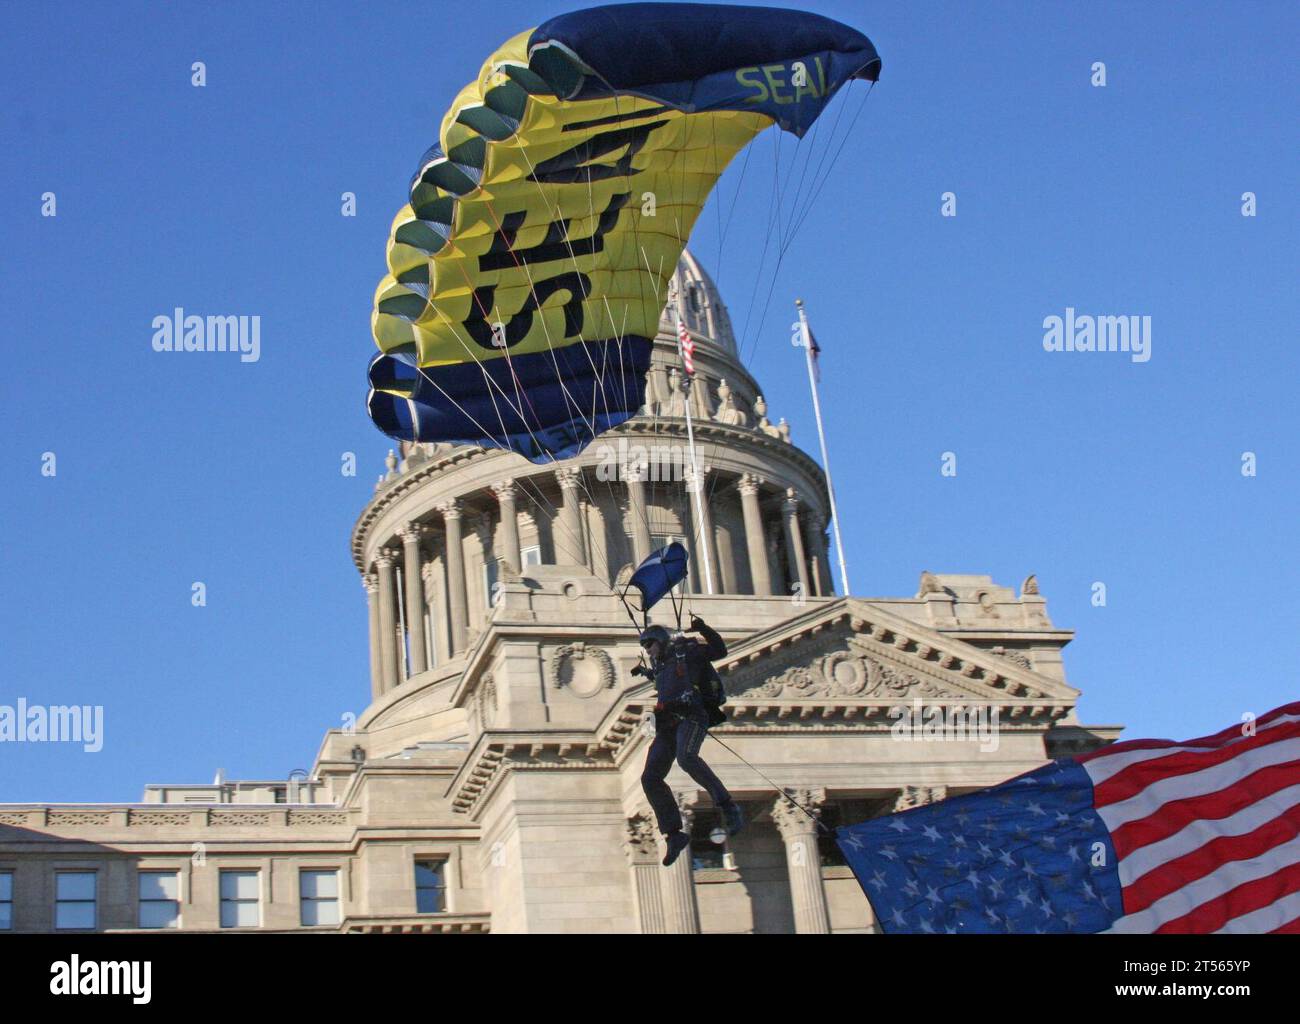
[696, 484]
[806, 341]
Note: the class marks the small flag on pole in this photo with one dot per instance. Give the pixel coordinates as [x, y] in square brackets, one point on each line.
[688, 348]
[816, 350]
[1140, 836]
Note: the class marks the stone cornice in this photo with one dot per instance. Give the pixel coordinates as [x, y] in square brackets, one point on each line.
[618, 730]
[499, 752]
[185, 816]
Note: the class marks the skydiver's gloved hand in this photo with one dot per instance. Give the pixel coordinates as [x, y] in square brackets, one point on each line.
[642, 670]
[697, 624]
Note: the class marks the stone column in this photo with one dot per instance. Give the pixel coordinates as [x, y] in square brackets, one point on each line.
[794, 553]
[387, 617]
[371, 582]
[815, 545]
[679, 880]
[455, 556]
[411, 582]
[726, 560]
[435, 599]
[641, 542]
[643, 855]
[799, 830]
[569, 535]
[505, 494]
[755, 540]
[703, 515]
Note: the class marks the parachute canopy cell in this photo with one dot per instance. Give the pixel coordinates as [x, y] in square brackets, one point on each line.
[528, 271]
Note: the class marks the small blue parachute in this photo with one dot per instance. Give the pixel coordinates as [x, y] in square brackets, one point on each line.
[658, 574]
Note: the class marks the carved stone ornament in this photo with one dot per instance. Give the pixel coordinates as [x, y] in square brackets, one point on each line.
[846, 673]
[1015, 657]
[929, 585]
[258, 818]
[487, 701]
[78, 818]
[839, 674]
[793, 822]
[641, 840]
[584, 670]
[918, 796]
[892, 683]
[147, 819]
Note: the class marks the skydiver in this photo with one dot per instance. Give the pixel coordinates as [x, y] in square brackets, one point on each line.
[689, 699]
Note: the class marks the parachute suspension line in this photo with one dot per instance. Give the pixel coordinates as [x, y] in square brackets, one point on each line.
[762, 259]
[780, 789]
[538, 499]
[572, 401]
[798, 218]
[677, 325]
[821, 179]
[569, 398]
[810, 148]
[599, 377]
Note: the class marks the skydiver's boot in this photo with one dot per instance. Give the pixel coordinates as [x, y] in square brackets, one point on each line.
[676, 843]
[733, 816]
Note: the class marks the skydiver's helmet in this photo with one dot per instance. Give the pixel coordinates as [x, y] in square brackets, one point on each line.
[655, 633]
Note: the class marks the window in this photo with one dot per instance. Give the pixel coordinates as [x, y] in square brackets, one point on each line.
[318, 892]
[491, 573]
[532, 555]
[240, 900]
[160, 902]
[706, 852]
[6, 900]
[430, 886]
[828, 850]
[74, 894]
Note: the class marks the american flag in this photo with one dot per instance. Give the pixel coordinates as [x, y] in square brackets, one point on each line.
[1142, 836]
[688, 348]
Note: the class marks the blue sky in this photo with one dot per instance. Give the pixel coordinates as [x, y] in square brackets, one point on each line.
[1077, 467]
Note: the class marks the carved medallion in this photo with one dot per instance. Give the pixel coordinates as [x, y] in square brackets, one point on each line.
[584, 670]
[845, 672]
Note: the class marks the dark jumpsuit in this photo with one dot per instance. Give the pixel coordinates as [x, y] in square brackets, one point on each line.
[680, 728]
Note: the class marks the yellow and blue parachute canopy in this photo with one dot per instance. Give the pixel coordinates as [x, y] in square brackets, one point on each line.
[527, 272]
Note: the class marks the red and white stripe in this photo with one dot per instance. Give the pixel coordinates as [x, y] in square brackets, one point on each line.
[1207, 832]
[688, 348]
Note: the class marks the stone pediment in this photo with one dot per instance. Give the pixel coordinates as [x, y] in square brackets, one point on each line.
[852, 650]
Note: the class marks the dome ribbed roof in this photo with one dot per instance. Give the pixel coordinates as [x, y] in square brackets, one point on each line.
[699, 305]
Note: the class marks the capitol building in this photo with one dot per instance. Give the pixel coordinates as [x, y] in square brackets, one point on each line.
[492, 784]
